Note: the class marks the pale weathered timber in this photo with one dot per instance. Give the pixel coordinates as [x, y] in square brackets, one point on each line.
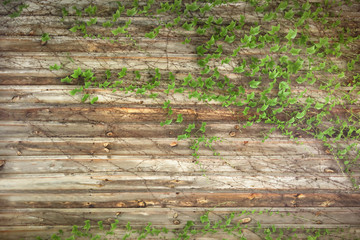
[101, 163]
[154, 146]
[133, 61]
[133, 181]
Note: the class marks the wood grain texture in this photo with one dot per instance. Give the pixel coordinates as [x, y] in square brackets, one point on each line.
[62, 162]
[159, 216]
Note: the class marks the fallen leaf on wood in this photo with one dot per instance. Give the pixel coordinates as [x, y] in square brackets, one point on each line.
[329, 170]
[327, 203]
[173, 144]
[245, 220]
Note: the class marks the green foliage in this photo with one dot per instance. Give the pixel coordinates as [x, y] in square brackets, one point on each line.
[267, 82]
[231, 224]
[17, 10]
[55, 67]
[45, 37]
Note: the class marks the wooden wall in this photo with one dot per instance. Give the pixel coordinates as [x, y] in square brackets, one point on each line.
[63, 162]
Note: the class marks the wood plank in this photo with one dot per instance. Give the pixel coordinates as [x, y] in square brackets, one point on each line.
[109, 113]
[23, 129]
[104, 7]
[46, 77]
[159, 45]
[27, 25]
[182, 164]
[163, 217]
[138, 181]
[155, 146]
[60, 95]
[182, 199]
[50, 129]
[139, 61]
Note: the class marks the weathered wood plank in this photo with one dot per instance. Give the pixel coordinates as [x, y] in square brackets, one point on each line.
[28, 25]
[46, 77]
[249, 164]
[163, 217]
[23, 129]
[138, 181]
[178, 199]
[41, 7]
[155, 146]
[110, 113]
[30, 129]
[159, 45]
[60, 95]
[139, 61]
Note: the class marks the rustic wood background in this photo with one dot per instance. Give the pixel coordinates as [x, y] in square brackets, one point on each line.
[63, 162]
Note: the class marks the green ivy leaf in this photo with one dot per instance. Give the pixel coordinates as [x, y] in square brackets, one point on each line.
[74, 29]
[179, 118]
[131, 12]
[76, 73]
[201, 50]
[122, 73]
[210, 42]
[291, 34]
[282, 6]
[310, 50]
[269, 16]
[295, 51]
[66, 80]
[192, 7]
[254, 31]
[202, 128]
[219, 21]
[190, 127]
[264, 107]
[229, 39]
[254, 84]
[94, 100]
[92, 21]
[275, 48]
[75, 91]
[55, 67]
[45, 37]
[289, 14]
[300, 114]
[274, 29]
[183, 136]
